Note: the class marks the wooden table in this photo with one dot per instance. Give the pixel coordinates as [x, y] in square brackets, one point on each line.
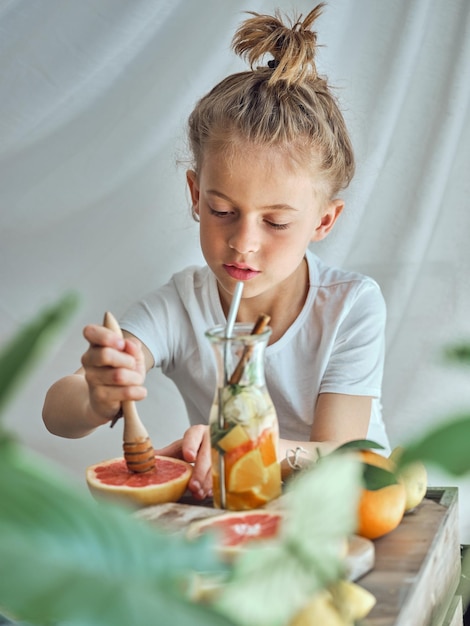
[417, 566]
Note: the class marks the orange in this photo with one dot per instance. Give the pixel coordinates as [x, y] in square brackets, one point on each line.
[380, 511]
[245, 500]
[271, 488]
[267, 447]
[247, 472]
[236, 453]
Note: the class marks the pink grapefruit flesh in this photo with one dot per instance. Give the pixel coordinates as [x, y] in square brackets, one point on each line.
[237, 529]
[167, 482]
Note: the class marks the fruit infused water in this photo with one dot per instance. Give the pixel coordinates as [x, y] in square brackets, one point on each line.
[243, 423]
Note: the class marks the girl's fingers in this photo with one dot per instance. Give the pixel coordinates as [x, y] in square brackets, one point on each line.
[101, 336]
[114, 369]
[174, 450]
[196, 447]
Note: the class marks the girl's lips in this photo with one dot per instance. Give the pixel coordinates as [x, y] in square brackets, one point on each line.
[241, 273]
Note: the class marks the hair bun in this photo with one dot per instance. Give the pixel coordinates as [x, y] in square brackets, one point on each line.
[292, 46]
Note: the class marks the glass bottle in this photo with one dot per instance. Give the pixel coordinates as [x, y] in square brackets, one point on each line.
[243, 423]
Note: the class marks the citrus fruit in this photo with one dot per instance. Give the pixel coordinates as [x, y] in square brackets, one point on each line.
[231, 457]
[236, 529]
[319, 610]
[352, 601]
[166, 483]
[251, 469]
[380, 511]
[414, 478]
[267, 447]
[272, 486]
[234, 438]
[247, 472]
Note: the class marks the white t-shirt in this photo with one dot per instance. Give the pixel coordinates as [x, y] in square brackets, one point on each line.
[335, 345]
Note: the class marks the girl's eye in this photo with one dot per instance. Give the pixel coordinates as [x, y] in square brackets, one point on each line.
[219, 213]
[226, 214]
[277, 226]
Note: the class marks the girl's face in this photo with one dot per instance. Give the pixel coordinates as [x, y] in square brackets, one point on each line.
[257, 216]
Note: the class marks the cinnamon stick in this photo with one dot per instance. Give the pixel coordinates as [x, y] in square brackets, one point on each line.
[261, 323]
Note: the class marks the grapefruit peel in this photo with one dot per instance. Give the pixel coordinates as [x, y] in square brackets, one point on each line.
[146, 489]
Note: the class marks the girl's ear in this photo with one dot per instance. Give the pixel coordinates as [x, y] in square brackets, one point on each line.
[193, 185]
[328, 219]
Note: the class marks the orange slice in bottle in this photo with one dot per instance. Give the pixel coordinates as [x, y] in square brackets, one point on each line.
[267, 447]
[248, 472]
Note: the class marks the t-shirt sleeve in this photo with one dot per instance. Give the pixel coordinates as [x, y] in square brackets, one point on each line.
[152, 321]
[356, 362]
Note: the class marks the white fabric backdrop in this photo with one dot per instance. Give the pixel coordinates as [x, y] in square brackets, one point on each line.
[94, 100]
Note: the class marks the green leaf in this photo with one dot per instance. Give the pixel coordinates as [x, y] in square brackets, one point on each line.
[19, 354]
[447, 446]
[459, 354]
[360, 444]
[65, 559]
[271, 582]
[373, 477]
[377, 477]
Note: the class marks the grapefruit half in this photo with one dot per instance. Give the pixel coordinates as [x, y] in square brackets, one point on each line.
[237, 529]
[167, 482]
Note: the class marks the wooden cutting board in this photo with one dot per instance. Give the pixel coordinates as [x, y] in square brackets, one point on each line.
[177, 516]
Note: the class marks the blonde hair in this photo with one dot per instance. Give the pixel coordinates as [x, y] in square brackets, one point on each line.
[284, 104]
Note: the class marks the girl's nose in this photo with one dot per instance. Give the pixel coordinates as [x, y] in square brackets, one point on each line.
[244, 238]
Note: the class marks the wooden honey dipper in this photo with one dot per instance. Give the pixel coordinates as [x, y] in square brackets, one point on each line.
[261, 323]
[138, 449]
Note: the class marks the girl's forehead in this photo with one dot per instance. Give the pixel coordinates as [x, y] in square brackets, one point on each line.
[245, 155]
[261, 164]
[260, 176]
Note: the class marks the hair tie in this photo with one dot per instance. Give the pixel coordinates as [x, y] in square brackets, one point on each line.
[273, 63]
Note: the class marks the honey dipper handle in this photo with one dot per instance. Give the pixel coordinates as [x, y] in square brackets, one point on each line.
[134, 430]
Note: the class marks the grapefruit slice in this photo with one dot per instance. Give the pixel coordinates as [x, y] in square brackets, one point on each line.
[237, 529]
[166, 483]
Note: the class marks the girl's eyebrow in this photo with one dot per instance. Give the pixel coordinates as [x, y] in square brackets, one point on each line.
[278, 207]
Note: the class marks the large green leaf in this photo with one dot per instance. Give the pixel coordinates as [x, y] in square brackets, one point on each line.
[271, 582]
[65, 559]
[20, 353]
[446, 446]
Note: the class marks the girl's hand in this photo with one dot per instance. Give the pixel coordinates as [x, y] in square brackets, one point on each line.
[195, 447]
[114, 370]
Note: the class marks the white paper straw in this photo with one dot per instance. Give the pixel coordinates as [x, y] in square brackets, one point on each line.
[232, 314]
[231, 317]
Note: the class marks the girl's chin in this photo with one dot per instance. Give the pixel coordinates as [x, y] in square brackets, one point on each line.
[250, 289]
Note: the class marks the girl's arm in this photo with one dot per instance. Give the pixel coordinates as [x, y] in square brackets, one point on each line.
[113, 371]
[338, 418]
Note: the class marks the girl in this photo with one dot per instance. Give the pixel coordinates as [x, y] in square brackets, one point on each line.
[270, 155]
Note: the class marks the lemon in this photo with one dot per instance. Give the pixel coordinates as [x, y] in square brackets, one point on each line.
[414, 477]
[353, 601]
[320, 610]
[237, 436]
